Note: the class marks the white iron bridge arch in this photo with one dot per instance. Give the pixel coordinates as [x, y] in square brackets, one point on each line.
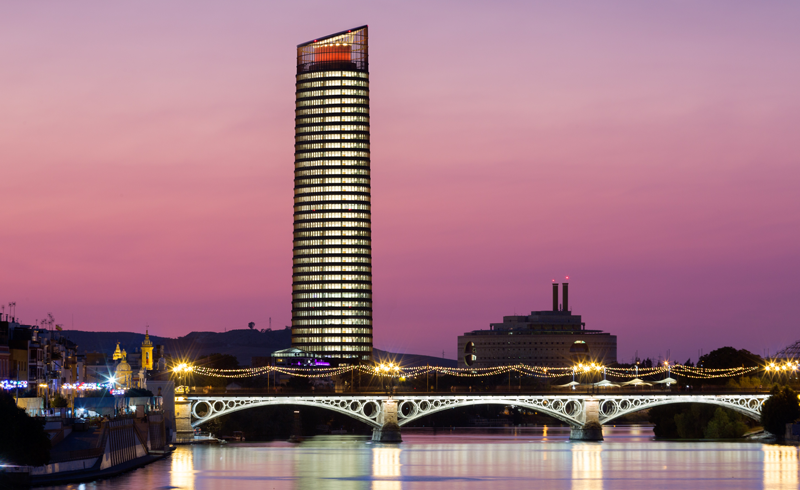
[571, 409]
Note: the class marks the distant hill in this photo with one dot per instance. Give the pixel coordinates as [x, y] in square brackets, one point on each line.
[412, 360]
[243, 343]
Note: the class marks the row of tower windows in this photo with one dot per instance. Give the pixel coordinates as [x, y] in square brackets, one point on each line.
[334, 205]
[316, 340]
[333, 295]
[331, 233]
[332, 224]
[333, 83]
[340, 144]
[313, 155]
[362, 232]
[333, 197]
[331, 74]
[344, 348]
[334, 260]
[313, 243]
[332, 91]
[331, 268]
[332, 277]
[332, 171]
[332, 251]
[333, 127]
[329, 304]
[348, 312]
[332, 330]
[327, 119]
[332, 110]
[332, 285]
[304, 181]
[332, 321]
[332, 101]
[355, 215]
[335, 136]
[335, 188]
[362, 164]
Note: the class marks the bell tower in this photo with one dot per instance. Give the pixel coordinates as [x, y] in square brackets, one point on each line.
[117, 354]
[147, 352]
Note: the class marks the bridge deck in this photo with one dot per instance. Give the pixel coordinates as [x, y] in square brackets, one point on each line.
[603, 393]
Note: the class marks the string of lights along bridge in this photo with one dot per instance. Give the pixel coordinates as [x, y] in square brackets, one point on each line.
[396, 371]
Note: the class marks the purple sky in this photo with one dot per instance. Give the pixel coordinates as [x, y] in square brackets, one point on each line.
[649, 150]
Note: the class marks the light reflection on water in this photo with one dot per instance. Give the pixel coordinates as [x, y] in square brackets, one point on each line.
[780, 468]
[182, 469]
[587, 466]
[386, 468]
[472, 460]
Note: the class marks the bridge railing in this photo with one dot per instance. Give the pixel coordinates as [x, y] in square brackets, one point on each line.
[705, 390]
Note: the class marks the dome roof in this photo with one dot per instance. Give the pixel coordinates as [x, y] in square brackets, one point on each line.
[123, 367]
[579, 347]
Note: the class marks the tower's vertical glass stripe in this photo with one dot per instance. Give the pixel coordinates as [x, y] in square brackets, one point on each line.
[332, 260]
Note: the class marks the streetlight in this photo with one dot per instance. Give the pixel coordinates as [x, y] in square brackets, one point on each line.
[388, 369]
[180, 370]
[589, 368]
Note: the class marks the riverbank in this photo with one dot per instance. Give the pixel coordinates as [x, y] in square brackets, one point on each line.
[90, 453]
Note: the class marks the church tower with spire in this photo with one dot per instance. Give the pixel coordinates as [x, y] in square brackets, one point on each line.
[117, 354]
[147, 352]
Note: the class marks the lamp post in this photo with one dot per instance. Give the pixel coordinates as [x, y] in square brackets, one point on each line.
[388, 369]
[669, 371]
[180, 370]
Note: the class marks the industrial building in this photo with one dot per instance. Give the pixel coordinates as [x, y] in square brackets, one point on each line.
[554, 338]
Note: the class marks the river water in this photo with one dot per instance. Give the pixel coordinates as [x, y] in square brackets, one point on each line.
[531, 458]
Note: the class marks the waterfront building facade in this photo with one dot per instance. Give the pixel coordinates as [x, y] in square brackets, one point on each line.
[554, 338]
[332, 249]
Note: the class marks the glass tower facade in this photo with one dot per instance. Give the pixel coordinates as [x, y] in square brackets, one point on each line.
[332, 254]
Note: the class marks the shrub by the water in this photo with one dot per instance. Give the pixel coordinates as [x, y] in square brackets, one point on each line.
[696, 421]
[23, 440]
[725, 425]
[781, 408]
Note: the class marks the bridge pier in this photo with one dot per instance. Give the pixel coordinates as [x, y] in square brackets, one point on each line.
[591, 430]
[183, 419]
[387, 418]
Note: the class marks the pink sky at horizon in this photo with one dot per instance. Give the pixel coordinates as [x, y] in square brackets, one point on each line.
[649, 151]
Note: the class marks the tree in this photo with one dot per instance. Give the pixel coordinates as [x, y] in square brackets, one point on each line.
[693, 420]
[781, 408]
[219, 361]
[725, 425]
[728, 357]
[252, 325]
[59, 401]
[664, 419]
[215, 361]
[134, 392]
[23, 440]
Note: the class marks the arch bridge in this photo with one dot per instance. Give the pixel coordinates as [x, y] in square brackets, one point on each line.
[386, 414]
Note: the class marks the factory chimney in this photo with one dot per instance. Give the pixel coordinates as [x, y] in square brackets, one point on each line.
[555, 296]
[565, 295]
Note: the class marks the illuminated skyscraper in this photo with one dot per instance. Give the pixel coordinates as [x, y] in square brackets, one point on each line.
[332, 260]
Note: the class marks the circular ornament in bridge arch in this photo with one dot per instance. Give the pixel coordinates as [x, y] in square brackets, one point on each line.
[370, 409]
[203, 413]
